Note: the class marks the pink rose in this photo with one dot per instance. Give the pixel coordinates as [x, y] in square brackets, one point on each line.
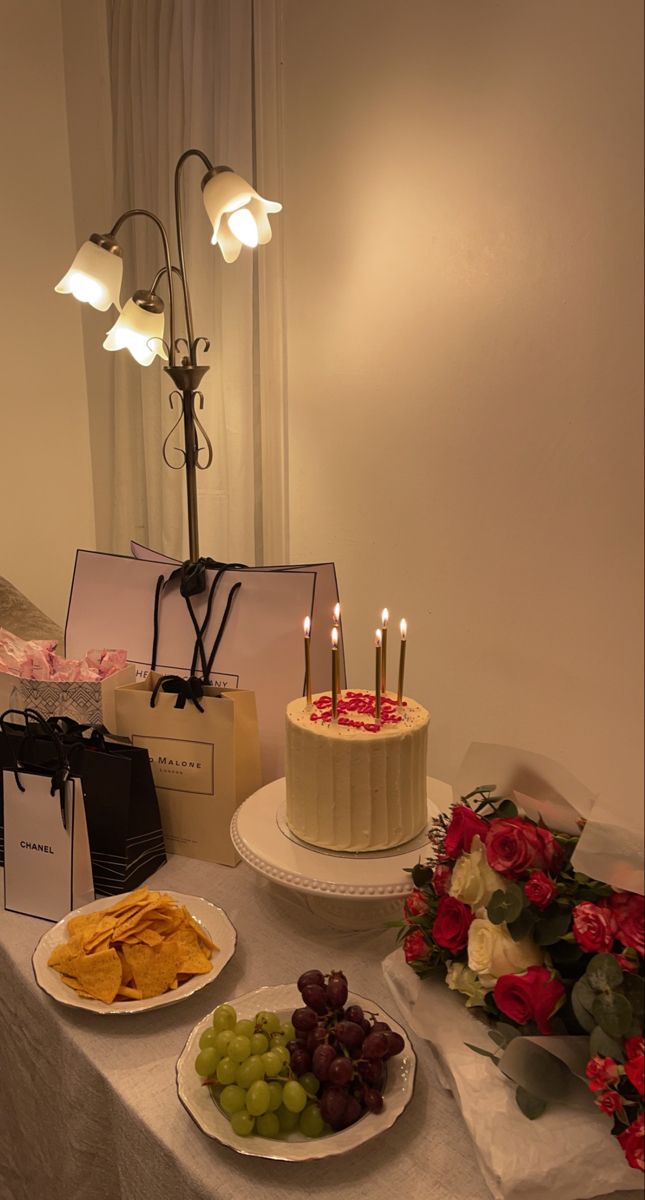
[601, 1073]
[462, 829]
[609, 1102]
[539, 889]
[635, 1072]
[441, 877]
[629, 911]
[634, 1046]
[632, 1141]
[414, 946]
[533, 996]
[415, 904]
[514, 846]
[594, 927]
[451, 924]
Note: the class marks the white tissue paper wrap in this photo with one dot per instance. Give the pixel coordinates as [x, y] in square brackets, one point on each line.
[566, 1154]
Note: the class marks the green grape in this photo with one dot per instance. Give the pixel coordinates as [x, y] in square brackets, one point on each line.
[242, 1123]
[222, 1021]
[249, 1071]
[257, 1098]
[278, 1039]
[288, 1120]
[309, 1082]
[272, 1062]
[276, 1096]
[232, 1099]
[206, 1062]
[239, 1048]
[226, 1011]
[208, 1038]
[247, 1028]
[226, 1069]
[259, 1043]
[268, 1125]
[283, 1052]
[268, 1022]
[311, 1122]
[222, 1040]
[294, 1096]
[288, 1030]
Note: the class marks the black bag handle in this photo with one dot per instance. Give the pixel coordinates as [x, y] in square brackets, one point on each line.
[189, 576]
[184, 689]
[58, 772]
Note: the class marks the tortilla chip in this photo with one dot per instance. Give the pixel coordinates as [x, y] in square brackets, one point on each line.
[153, 967]
[130, 993]
[191, 958]
[99, 974]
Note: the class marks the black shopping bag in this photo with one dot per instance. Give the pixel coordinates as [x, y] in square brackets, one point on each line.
[121, 806]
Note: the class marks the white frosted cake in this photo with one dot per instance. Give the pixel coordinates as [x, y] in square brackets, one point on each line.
[354, 784]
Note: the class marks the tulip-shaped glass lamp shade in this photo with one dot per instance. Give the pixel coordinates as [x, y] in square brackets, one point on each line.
[95, 275]
[139, 329]
[239, 216]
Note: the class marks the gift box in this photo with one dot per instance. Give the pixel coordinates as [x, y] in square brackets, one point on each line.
[87, 703]
[33, 675]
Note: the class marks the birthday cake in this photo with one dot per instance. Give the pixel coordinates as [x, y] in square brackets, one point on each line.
[356, 783]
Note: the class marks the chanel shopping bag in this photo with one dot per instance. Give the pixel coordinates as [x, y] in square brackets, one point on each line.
[47, 867]
[204, 751]
[114, 779]
[113, 601]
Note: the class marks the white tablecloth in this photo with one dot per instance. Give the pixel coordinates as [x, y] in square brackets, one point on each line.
[88, 1106]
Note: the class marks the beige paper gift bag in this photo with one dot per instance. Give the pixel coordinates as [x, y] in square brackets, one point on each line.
[204, 751]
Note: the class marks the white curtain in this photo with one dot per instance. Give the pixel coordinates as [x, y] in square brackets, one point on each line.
[181, 76]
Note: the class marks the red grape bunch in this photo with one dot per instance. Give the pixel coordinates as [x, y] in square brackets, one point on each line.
[344, 1048]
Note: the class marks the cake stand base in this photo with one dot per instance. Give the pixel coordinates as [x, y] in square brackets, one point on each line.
[349, 891]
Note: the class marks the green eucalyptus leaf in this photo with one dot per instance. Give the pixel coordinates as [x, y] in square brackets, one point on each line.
[523, 925]
[563, 953]
[505, 906]
[484, 789]
[506, 809]
[604, 1045]
[549, 930]
[603, 972]
[530, 1105]
[503, 1033]
[421, 874]
[582, 998]
[634, 989]
[613, 1013]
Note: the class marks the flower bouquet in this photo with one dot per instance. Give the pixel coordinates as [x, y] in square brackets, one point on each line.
[537, 949]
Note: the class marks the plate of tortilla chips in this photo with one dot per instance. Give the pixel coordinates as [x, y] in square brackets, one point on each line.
[134, 952]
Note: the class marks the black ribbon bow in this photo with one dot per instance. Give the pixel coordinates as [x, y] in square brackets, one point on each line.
[184, 689]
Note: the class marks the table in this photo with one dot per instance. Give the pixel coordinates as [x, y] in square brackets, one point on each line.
[88, 1106]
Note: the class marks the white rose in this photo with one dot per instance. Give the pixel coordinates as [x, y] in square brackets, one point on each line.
[492, 952]
[460, 978]
[473, 881]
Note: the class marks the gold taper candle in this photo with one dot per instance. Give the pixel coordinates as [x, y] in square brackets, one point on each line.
[404, 641]
[334, 673]
[377, 679]
[308, 659]
[385, 616]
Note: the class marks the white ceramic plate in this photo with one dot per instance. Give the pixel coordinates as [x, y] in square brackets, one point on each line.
[214, 921]
[294, 1147]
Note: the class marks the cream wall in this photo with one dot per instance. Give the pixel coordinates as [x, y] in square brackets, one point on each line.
[462, 227]
[46, 503]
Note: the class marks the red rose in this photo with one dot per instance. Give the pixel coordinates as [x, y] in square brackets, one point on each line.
[539, 889]
[601, 1073]
[533, 996]
[441, 877]
[414, 946]
[635, 1072]
[451, 924]
[594, 927]
[514, 846]
[610, 1103]
[552, 851]
[632, 1141]
[629, 911]
[625, 963]
[415, 904]
[634, 1046]
[462, 829]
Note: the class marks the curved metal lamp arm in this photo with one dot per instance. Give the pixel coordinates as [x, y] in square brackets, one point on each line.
[163, 271]
[144, 212]
[180, 236]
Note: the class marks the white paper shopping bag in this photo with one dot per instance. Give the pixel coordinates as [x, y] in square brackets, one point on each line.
[47, 869]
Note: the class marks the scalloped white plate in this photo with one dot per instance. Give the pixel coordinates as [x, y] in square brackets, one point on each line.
[213, 919]
[294, 1147]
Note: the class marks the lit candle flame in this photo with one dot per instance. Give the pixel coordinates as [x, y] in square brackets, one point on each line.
[404, 629]
[334, 636]
[385, 616]
[337, 614]
[379, 638]
[307, 624]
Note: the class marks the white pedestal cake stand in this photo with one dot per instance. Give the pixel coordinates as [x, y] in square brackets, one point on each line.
[349, 890]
